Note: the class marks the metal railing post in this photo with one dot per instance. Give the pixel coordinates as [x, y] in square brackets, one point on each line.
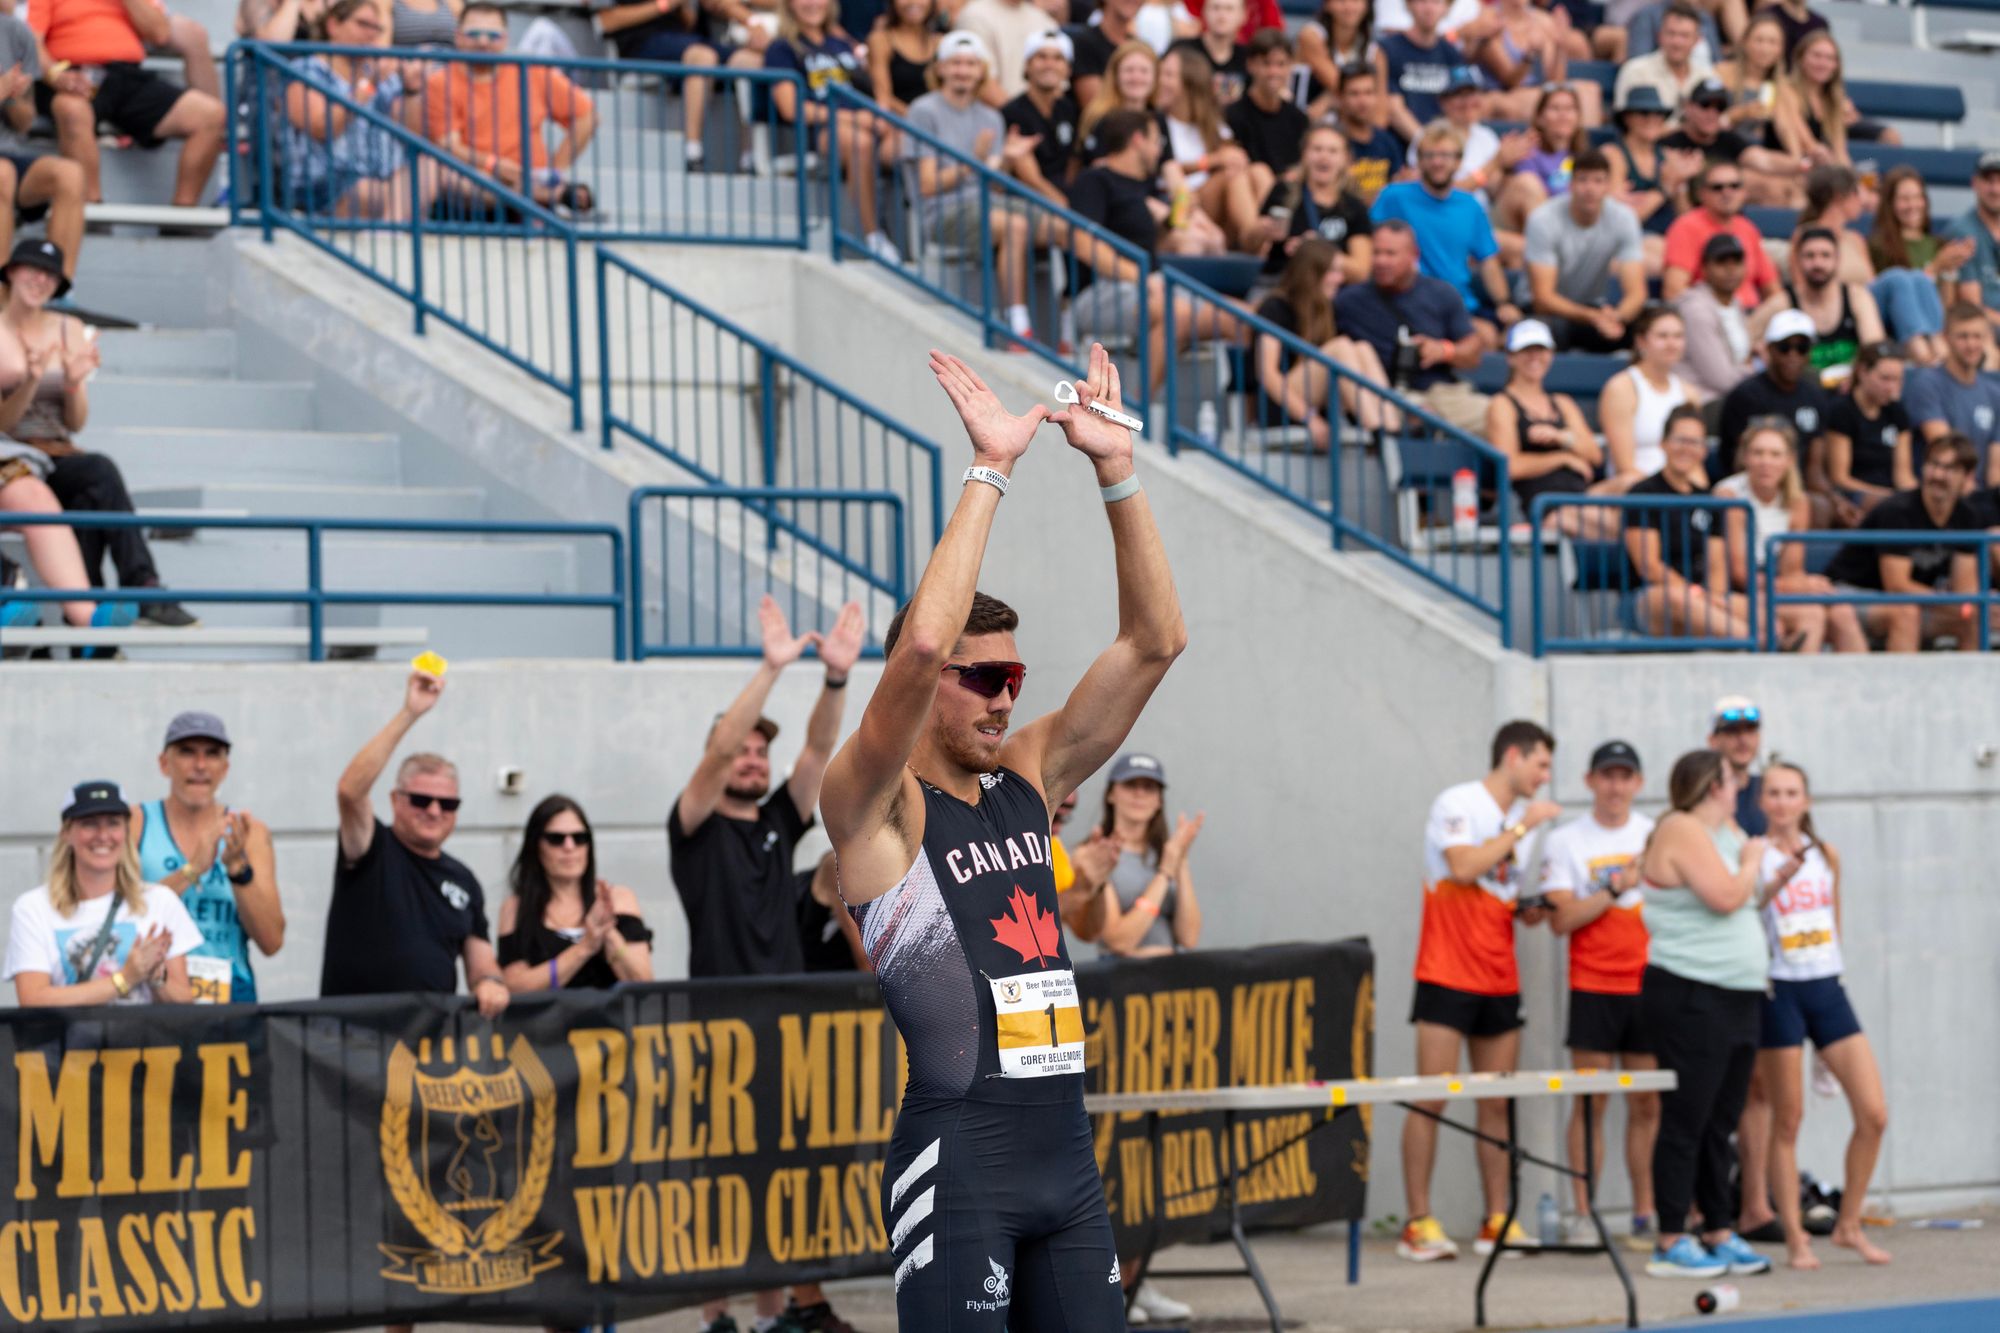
[832, 161]
[266, 205]
[575, 335]
[1171, 409]
[804, 191]
[316, 610]
[417, 240]
[986, 302]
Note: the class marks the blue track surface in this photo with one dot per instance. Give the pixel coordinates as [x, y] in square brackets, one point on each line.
[1980, 1316]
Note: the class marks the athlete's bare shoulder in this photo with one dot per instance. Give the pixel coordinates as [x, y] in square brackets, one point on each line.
[876, 854]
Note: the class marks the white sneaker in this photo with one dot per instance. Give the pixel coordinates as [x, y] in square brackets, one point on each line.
[1581, 1231]
[1136, 1313]
[884, 249]
[1161, 1306]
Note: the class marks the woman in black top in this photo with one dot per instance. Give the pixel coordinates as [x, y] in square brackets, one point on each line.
[1291, 387]
[563, 926]
[1637, 167]
[1680, 553]
[1868, 434]
[1319, 204]
[900, 53]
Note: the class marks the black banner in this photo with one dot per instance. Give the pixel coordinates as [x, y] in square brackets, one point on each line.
[593, 1155]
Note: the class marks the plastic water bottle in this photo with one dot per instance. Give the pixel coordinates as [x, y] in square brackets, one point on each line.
[1548, 1220]
[1205, 424]
[1464, 505]
[1717, 1299]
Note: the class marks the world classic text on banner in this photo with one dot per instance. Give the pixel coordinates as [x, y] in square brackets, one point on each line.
[593, 1156]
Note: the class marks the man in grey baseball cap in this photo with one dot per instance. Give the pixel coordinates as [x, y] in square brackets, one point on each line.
[218, 859]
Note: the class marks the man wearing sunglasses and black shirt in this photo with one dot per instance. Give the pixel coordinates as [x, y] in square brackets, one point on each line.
[939, 809]
[1787, 390]
[405, 915]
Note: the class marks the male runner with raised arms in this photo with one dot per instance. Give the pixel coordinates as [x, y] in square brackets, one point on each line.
[941, 822]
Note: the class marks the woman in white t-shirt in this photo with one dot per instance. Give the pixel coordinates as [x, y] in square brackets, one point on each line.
[1799, 896]
[1768, 479]
[97, 933]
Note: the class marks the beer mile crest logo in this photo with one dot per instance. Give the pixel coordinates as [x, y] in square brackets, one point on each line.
[467, 1147]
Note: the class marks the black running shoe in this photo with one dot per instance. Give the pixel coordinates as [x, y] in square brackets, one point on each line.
[168, 615]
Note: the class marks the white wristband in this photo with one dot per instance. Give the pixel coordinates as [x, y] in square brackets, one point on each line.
[993, 477]
[1120, 490]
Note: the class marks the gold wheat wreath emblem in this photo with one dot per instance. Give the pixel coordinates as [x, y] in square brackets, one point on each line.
[490, 1257]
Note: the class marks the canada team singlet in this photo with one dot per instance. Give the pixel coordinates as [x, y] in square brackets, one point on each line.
[992, 1197]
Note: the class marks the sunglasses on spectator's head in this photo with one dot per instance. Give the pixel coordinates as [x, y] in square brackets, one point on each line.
[1793, 346]
[1738, 717]
[448, 804]
[581, 838]
[483, 34]
[987, 679]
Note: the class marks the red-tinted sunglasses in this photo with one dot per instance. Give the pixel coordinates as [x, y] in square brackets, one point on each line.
[987, 679]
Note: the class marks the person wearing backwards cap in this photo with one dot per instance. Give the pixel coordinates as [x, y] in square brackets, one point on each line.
[1003, 28]
[1719, 349]
[97, 933]
[730, 844]
[1046, 113]
[948, 189]
[1590, 873]
[1150, 908]
[218, 859]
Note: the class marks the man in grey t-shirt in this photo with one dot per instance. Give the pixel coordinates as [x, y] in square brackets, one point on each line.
[1577, 244]
[956, 130]
[32, 184]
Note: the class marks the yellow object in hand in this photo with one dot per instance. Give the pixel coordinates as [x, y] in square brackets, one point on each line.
[430, 663]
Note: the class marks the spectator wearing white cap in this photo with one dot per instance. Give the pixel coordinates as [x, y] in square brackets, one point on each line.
[1149, 906]
[1550, 447]
[219, 860]
[1786, 389]
[1046, 112]
[96, 932]
[1577, 246]
[1004, 26]
[962, 119]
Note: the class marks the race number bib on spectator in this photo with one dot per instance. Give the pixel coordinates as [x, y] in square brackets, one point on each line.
[209, 978]
[1040, 1024]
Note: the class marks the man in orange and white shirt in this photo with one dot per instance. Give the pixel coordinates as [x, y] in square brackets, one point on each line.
[1590, 873]
[475, 112]
[1468, 983]
[95, 76]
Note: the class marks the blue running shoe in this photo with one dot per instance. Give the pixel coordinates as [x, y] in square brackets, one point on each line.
[1686, 1257]
[114, 615]
[20, 615]
[1742, 1260]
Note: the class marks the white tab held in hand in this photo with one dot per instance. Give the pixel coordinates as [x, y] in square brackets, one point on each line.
[1066, 395]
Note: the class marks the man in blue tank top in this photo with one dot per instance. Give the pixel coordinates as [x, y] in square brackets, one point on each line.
[219, 860]
[939, 811]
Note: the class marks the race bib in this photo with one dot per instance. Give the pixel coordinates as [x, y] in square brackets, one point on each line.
[210, 978]
[1039, 1024]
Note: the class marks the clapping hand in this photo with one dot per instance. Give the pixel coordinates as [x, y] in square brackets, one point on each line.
[1091, 435]
[148, 956]
[1019, 145]
[78, 361]
[235, 856]
[1094, 858]
[1173, 857]
[600, 923]
[999, 438]
[781, 646]
[840, 648]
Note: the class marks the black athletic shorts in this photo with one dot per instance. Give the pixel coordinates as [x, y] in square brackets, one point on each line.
[21, 163]
[132, 100]
[996, 1220]
[1606, 1023]
[1474, 1015]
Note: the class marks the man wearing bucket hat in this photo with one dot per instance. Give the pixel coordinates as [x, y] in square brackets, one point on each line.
[948, 189]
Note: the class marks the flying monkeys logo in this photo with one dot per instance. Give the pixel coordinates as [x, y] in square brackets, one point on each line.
[999, 1291]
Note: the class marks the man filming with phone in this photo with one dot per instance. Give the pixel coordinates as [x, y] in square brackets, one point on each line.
[1419, 326]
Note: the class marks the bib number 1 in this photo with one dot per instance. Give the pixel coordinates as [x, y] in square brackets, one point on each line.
[1039, 1026]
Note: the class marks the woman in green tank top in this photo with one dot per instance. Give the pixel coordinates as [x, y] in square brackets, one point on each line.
[1705, 975]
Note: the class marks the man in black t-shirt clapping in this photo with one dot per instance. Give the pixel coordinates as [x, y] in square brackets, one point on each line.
[405, 915]
[730, 841]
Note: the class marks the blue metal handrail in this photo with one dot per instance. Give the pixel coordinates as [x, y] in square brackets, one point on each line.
[1342, 511]
[632, 198]
[1985, 599]
[315, 597]
[919, 465]
[766, 505]
[1624, 580]
[538, 223]
[987, 310]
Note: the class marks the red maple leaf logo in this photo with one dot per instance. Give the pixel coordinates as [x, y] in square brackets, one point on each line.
[1027, 929]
